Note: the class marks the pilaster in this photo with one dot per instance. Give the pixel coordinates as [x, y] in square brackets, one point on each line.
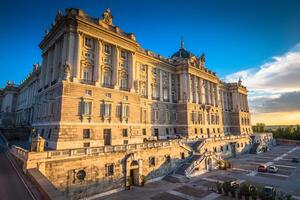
[160, 85]
[170, 87]
[149, 81]
[115, 66]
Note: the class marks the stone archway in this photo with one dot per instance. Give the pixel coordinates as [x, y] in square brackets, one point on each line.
[133, 170]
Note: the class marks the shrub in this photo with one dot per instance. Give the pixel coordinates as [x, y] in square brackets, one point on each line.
[219, 187]
[226, 187]
[244, 190]
[253, 193]
[144, 179]
[233, 190]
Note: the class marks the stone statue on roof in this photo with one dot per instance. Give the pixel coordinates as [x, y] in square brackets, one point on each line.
[107, 17]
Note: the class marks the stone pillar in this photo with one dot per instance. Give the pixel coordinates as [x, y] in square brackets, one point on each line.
[217, 95]
[170, 87]
[187, 86]
[97, 70]
[49, 66]
[131, 71]
[77, 38]
[55, 62]
[160, 85]
[191, 87]
[43, 70]
[115, 67]
[149, 81]
[202, 91]
[181, 89]
[70, 58]
[196, 83]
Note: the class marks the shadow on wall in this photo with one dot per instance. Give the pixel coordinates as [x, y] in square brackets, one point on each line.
[78, 189]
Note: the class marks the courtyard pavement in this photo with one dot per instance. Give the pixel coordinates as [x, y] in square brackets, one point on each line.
[244, 169]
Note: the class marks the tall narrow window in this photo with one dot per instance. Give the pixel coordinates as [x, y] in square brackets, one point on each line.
[107, 78]
[86, 75]
[86, 108]
[107, 49]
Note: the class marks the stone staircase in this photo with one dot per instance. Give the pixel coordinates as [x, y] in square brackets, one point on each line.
[253, 149]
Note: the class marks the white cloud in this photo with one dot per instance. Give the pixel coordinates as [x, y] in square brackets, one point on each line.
[275, 85]
[281, 74]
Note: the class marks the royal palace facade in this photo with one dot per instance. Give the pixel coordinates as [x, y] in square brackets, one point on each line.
[97, 87]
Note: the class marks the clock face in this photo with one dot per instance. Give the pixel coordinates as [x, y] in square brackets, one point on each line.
[80, 175]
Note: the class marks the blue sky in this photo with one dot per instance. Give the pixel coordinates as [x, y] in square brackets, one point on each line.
[236, 36]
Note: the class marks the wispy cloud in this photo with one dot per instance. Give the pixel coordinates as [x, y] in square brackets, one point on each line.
[275, 85]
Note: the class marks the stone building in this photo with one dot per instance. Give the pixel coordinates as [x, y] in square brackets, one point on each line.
[112, 112]
[98, 87]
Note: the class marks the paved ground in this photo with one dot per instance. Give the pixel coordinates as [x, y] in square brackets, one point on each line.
[244, 170]
[11, 186]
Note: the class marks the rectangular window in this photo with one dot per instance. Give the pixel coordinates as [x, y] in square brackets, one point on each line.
[88, 92]
[107, 136]
[110, 170]
[196, 131]
[167, 131]
[156, 132]
[105, 110]
[200, 118]
[155, 115]
[151, 161]
[125, 141]
[166, 94]
[86, 108]
[193, 117]
[167, 116]
[88, 42]
[125, 111]
[107, 49]
[125, 132]
[86, 144]
[86, 133]
[124, 55]
[144, 131]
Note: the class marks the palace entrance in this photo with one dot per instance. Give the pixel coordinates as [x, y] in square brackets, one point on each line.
[134, 172]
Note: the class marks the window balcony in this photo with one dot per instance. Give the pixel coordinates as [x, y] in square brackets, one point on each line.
[88, 82]
[125, 88]
[107, 85]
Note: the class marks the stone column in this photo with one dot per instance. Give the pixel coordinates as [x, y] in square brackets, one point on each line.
[170, 87]
[131, 71]
[115, 67]
[187, 86]
[49, 65]
[55, 62]
[212, 96]
[149, 81]
[201, 91]
[191, 87]
[160, 86]
[63, 55]
[43, 70]
[97, 70]
[217, 95]
[73, 46]
[181, 89]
